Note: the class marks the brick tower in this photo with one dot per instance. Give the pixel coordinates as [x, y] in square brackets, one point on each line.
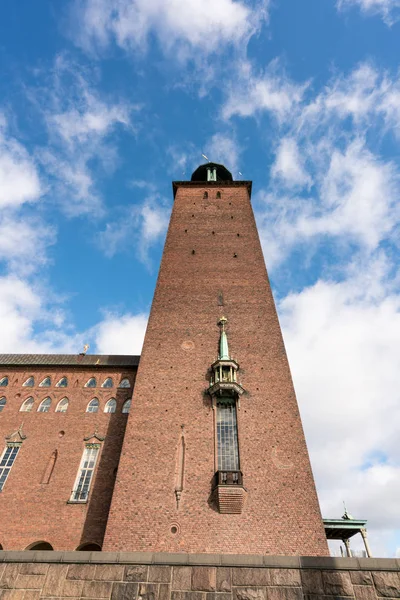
[214, 458]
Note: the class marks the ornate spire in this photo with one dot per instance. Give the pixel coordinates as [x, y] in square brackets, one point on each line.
[223, 342]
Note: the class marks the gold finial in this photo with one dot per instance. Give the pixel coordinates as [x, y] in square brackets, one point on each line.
[222, 322]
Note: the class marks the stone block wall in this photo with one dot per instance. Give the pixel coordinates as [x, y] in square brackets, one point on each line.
[147, 576]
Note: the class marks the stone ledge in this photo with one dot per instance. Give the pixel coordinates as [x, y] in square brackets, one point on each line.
[218, 560]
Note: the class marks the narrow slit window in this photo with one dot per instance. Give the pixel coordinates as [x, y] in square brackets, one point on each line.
[44, 406]
[91, 383]
[4, 382]
[62, 383]
[93, 406]
[111, 406]
[27, 406]
[124, 383]
[84, 478]
[46, 382]
[107, 383]
[127, 406]
[6, 462]
[62, 406]
[3, 402]
[227, 437]
[30, 382]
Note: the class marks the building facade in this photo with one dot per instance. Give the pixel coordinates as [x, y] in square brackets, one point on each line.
[213, 458]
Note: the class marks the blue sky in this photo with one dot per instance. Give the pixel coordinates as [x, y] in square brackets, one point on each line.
[104, 102]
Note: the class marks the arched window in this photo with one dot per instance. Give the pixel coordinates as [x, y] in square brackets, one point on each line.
[30, 382]
[62, 406]
[93, 406]
[91, 383]
[44, 406]
[89, 547]
[107, 383]
[125, 383]
[218, 195]
[111, 406]
[62, 383]
[205, 195]
[127, 406]
[46, 382]
[4, 382]
[40, 546]
[27, 406]
[3, 402]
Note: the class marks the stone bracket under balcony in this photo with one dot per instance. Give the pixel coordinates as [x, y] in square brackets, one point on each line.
[229, 493]
[222, 386]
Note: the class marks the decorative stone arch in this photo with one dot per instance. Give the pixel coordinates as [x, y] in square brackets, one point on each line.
[41, 545]
[89, 547]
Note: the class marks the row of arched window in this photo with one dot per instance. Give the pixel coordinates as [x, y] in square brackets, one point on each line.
[62, 406]
[86, 547]
[63, 382]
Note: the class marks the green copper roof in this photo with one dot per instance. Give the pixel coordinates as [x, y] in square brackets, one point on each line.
[223, 342]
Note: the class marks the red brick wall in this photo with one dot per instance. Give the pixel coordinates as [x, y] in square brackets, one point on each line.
[281, 515]
[32, 511]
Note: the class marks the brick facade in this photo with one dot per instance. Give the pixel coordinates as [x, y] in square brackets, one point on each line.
[135, 576]
[212, 266]
[31, 510]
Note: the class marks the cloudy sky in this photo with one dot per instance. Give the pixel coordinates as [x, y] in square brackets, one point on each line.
[104, 102]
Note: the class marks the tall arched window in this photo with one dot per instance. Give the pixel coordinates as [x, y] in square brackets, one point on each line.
[218, 195]
[111, 406]
[30, 382]
[44, 406]
[93, 406]
[46, 382]
[127, 406]
[27, 406]
[4, 382]
[107, 383]
[62, 406]
[124, 383]
[91, 383]
[62, 383]
[3, 402]
[40, 546]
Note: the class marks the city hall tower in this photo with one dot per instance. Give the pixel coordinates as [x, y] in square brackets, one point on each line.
[214, 458]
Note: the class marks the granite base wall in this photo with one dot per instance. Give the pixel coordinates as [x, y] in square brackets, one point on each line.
[147, 576]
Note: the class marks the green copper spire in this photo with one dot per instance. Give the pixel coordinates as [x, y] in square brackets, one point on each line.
[223, 342]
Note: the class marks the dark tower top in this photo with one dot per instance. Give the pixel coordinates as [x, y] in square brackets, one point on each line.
[212, 172]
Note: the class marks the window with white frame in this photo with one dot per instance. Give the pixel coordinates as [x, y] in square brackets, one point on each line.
[125, 383]
[30, 382]
[27, 406]
[127, 406]
[84, 478]
[46, 382]
[62, 383]
[107, 383]
[93, 406]
[4, 382]
[6, 462]
[3, 402]
[62, 406]
[44, 406]
[111, 406]
[91, 383]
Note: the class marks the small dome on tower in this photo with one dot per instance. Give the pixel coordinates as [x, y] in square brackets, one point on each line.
[212, 172]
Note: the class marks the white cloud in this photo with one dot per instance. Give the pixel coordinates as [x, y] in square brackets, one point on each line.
[342, 343]
[24, 242]
[251, 93]
[118, 334]
[181, 26]
[141, 225]
[19, 179]
[224, 149]
[387, 9]
[289, 165]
